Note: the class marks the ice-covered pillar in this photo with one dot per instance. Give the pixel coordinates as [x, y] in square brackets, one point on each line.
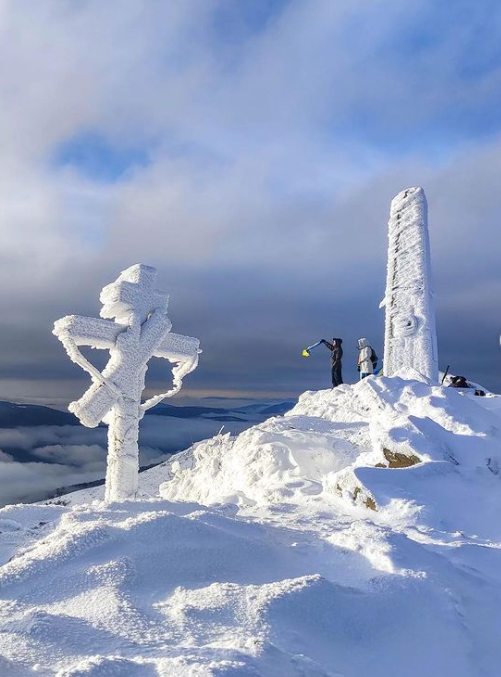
[135, 328]
[410, 331]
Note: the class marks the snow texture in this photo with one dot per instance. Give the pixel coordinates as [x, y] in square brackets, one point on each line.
[357, 535]
[140, 331]
[410, 332]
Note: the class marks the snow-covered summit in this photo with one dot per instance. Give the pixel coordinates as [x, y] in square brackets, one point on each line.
[358, 534]
[346, 443]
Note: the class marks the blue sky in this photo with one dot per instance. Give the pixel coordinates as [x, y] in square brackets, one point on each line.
[94, 157]
[250, 151]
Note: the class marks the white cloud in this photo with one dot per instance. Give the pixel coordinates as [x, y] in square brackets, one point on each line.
[89, 457]
[273, 158]
[33, 481]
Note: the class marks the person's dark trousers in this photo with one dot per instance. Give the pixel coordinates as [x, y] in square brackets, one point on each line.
[337, 377]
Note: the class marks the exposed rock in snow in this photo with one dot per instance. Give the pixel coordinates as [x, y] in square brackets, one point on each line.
[286, 551]
[410, 333]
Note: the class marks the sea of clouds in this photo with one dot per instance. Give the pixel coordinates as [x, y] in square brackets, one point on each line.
[36, 461]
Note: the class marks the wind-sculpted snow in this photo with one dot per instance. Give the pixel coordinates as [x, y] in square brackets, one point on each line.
[345, 443]
[357, 535]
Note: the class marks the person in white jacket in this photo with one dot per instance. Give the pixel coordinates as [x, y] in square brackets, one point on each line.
[365, 366]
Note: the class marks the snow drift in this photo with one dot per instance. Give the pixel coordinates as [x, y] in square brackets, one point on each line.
[346, 442]
[357, 535]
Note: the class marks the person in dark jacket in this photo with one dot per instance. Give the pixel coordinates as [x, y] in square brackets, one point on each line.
[459, 382]
[336, 357]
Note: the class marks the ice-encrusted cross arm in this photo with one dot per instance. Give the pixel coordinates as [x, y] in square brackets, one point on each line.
[140, 330]
[75, 331]
[182, 352]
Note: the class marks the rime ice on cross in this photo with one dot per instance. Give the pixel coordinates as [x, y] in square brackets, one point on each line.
[141, 330]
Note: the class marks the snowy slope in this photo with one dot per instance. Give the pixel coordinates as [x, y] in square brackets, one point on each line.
[357, 535]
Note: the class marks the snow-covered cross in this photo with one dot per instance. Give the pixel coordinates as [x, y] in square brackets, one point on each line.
[134, 328]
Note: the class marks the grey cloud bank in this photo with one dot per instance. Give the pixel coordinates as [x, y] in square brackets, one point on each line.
[271, 138]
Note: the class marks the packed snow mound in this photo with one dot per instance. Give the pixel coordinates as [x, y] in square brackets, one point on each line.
[152, 589]
[357, 535]
[347, 443]
[172, 590]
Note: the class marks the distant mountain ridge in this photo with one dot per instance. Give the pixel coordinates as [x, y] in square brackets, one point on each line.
[222, 414]
[14, 415]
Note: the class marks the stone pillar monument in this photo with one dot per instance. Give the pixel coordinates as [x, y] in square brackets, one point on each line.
[410, 333]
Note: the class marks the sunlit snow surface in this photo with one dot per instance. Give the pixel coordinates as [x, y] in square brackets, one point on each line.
[265, 556]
